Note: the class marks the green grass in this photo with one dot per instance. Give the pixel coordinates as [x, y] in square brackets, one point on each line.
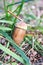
[11, 21]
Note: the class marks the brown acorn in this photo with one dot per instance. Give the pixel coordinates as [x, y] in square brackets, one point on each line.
[19, 32]
[20, 29]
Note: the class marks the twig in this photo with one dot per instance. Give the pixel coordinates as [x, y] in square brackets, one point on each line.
[15, 16]
[18, 17]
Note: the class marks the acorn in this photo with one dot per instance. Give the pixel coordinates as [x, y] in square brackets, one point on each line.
[20, 29]
[19, 32]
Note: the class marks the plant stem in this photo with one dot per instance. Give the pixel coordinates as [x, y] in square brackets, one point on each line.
[5, 8]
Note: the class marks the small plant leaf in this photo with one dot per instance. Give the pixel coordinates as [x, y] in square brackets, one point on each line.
[5, 28]
[5, 21]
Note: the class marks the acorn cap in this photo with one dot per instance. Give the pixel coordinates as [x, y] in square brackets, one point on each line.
[21, 25]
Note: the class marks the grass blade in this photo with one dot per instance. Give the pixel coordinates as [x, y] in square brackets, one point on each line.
[5, 28]
[26, 59]
[18, 3]
[5, 21]
[14, 55]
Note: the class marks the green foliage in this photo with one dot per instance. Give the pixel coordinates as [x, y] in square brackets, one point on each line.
[0, 63]
[7, 19]
[14, 63]
[37, 45]
[16, 47]
[14, 55]
[4, 30]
